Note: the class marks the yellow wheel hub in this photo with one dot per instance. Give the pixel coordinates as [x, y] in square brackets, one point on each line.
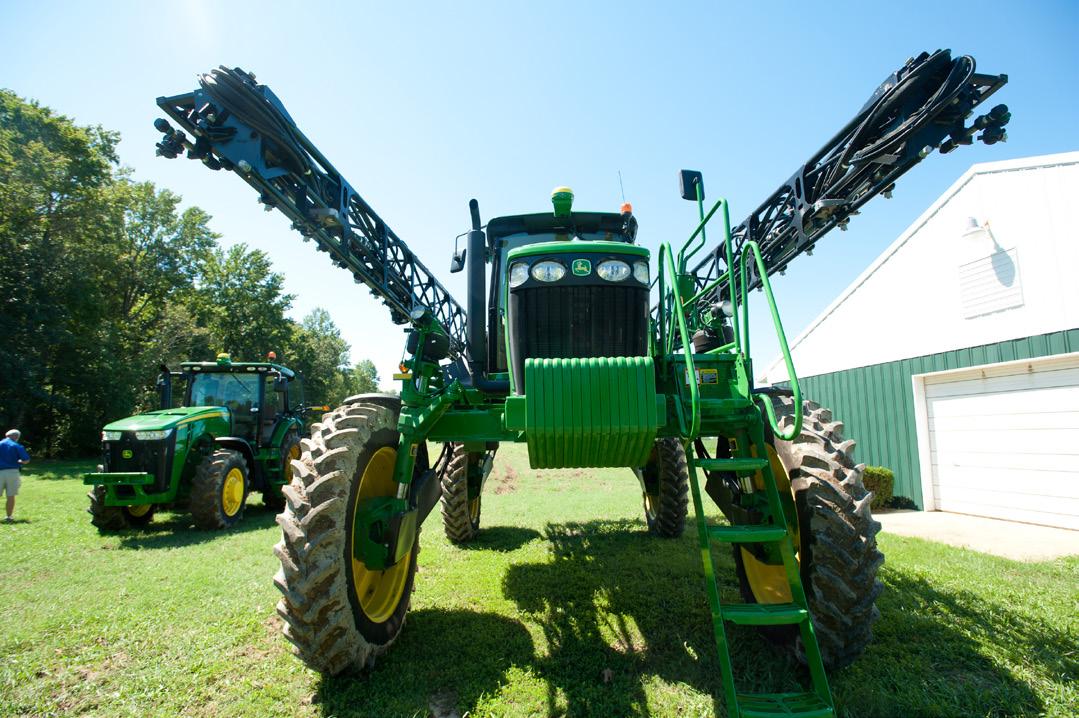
[232, 492]
[138, 511]
[378, 592]
[768, 582]
[293, 454]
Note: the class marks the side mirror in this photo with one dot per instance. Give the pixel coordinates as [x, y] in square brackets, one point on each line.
[688, 182]
[280, 383]
[458, 261]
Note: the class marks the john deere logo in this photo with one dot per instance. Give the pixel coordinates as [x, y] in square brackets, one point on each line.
[127, 453]
[582, 267]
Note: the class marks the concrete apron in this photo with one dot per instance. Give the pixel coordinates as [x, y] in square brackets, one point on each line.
[1010, 539]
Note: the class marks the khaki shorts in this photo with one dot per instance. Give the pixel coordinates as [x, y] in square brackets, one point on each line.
[9, 481]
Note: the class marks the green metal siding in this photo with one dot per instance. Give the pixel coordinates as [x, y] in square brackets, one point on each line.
[876, 403]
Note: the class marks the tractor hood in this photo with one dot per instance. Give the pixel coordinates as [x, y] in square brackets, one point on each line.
[167, 418]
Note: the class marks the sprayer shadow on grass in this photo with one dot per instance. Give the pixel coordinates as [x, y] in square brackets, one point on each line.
[934, 641]
[455, 656]
[616, 599]
[173, 530]
[502, 539]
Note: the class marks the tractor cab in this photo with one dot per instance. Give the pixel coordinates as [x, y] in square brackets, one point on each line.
[258, 395]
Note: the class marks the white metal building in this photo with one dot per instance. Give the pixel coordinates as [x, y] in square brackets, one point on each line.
[968, 389]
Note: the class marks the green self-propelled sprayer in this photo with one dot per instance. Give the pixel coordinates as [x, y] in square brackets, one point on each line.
[594, 356]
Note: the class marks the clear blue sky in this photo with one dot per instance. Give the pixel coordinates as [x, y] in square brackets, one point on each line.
[424, 106]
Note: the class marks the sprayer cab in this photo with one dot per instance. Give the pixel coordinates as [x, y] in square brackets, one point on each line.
[564, 284]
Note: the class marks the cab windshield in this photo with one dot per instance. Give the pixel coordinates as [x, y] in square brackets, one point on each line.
[239, 392]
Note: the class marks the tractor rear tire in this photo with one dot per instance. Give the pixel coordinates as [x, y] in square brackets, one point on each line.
[337, 614]
[105, 518]
[460, 511]
[219, 490]
[290, 451]
[667, 503]
[838, 551]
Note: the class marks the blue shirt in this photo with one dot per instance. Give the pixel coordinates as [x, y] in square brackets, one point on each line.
[10, 453]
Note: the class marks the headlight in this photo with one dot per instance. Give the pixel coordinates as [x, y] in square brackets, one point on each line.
[152, 435]
[613, 270]
[518, 274]
[111, 435]
[640, 272]
[548, 271]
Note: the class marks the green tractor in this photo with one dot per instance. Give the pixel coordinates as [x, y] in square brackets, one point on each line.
[575, 343]
[237, 430]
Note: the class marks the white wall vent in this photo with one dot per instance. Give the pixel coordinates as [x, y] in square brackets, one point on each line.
[991, 284]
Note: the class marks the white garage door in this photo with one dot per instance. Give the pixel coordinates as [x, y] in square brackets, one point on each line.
[1004, 442]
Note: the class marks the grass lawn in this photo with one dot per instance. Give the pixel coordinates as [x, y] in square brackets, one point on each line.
[563, 606]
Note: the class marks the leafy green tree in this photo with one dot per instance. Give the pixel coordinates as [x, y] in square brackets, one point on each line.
[241, 302]
[321, 355]
[56, 204]
[363, 379]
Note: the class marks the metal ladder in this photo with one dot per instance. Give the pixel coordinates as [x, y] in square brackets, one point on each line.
[816, 702]
[699, 416]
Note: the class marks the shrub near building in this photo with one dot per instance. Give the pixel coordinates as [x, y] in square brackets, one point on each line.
[881, 481]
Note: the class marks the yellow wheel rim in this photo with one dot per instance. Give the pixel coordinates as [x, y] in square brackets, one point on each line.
[768, 582]
[650, 505]
[378, 592]
[138, 511]
[232, 492]
[293, 454]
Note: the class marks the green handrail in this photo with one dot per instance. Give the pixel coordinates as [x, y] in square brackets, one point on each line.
[666, 260]
[738, 290]
[767, 287]
[682, 256]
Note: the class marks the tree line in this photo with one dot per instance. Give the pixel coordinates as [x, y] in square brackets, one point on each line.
[103, 278]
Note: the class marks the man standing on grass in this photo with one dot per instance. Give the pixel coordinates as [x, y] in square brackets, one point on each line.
[12, 457]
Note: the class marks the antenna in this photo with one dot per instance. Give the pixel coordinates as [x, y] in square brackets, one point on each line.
[620, 187]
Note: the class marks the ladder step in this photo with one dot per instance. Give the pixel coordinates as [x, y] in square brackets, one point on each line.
[766, 705]
[747, 465]
[747, 534]
[764, 614]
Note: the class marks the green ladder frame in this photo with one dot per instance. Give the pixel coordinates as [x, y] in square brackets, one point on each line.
[751, 458]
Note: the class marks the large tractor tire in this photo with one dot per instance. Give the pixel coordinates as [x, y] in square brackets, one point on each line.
[837, 539]
[219, 490]
[290, 451]
[339, 615]
[666, 488]
[461, 506]
[105, 518]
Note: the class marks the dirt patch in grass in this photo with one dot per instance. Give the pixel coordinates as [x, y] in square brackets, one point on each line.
[506, 482]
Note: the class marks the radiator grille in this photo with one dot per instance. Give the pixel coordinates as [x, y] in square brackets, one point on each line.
[579, 322]
[152, 457]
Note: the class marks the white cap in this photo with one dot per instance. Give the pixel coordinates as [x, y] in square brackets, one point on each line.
[13, 434]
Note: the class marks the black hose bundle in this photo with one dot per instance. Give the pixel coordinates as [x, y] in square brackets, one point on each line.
[237, 91]
[922, 92]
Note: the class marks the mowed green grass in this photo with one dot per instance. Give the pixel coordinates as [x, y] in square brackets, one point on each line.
[564, 606]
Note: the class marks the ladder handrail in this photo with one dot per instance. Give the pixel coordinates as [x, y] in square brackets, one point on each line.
[666, 260]
[766, 286]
